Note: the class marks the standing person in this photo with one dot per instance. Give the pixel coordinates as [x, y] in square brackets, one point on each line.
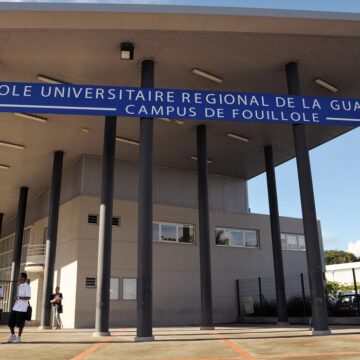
[56, 299]
[18, 313]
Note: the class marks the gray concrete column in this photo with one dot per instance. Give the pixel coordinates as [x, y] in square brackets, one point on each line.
[312, 242]
[145, 243]
[1, 222]
[51, 239]
[204, 230]
[105, 230]
[19, 235]
[276, 236]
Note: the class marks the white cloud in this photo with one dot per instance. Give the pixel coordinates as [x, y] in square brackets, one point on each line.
[354, 247]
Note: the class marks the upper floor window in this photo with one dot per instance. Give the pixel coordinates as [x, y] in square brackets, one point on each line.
[170, 232]
[292, 242]
[236, 237]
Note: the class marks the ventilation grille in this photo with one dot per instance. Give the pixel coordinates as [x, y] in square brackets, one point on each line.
[92, 219]
[90, 282]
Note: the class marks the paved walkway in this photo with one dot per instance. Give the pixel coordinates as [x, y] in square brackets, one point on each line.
[243, 342]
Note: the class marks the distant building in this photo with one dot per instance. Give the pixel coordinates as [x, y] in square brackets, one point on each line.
[343, 273]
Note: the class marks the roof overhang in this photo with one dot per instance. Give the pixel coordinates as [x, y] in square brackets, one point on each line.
[75, 15]
[247, 47]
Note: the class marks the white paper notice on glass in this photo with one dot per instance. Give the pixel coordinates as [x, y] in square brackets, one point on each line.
[114, 289]
[129, 289]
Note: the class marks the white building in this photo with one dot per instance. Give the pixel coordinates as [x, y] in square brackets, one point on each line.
[343, 273]
[244, 50]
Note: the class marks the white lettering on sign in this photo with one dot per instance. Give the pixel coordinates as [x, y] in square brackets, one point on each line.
[311, 104]
[345, 105]
[217, 113]
[285, 102]
[275, 116]
[6, 90]
[173, 103]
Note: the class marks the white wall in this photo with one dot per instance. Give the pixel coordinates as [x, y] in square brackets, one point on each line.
[176, 274]
[343, 273]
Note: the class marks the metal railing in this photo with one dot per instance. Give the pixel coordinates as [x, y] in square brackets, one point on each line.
[36, 250]
[5, 304]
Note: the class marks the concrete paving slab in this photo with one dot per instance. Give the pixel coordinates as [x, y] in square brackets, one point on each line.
[233, 342]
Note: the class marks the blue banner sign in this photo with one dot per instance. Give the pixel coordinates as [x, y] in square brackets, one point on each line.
[177, 104]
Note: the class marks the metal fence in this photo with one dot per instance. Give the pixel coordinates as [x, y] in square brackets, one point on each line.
[257, 296]
[5, 304]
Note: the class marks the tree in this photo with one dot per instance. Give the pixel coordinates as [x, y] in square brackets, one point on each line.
[339, 257]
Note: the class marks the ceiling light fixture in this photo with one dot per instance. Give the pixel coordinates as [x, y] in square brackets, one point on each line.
[127, 141]
[32, 117]
[238, 137]
[326, 85]
[49, 80]
[4, 167]
[12, 146]
[178, 122]
[85, 130]
[126, 51]
[194, 157]
[206, 75]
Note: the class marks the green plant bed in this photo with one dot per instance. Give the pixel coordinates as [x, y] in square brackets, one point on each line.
[268, 308]
[295, 307]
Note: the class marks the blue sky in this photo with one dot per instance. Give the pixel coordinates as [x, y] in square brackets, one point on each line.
[336, 178]
[336, 171]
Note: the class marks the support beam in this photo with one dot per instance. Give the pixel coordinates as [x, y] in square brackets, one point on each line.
[1, 222]
[313, 252]
[145, 216]
[51, 239]
[19, 235]
[105, 230]
[204, 230]
[275, 236]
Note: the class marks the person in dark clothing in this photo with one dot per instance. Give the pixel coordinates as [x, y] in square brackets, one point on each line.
[56, 300]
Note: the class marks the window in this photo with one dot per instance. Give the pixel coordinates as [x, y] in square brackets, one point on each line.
[45, 235]
[348, 299]
[186, 234]
[251, 238]
[301, 240]
[222, 237]
[129, 289]
[294, 242]
[90, 282]
[168, 232]
[236, 237]
[177, 233]
[114, 289]
[116, 221]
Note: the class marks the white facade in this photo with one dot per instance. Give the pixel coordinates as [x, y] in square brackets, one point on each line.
[343, 273]
[176, 276]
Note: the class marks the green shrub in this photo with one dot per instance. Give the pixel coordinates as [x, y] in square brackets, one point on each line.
[268, 308]
[296, 306]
